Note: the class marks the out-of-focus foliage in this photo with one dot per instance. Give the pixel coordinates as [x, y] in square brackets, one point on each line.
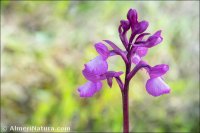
[45, 44]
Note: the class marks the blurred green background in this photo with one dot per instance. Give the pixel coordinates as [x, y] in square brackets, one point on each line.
[44, 46]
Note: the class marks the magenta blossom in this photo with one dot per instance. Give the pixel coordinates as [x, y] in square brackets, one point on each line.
[135, 48]
[97, 70]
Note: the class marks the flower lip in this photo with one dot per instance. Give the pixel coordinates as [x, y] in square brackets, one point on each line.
[94, 68]
[90, 76]
[157, 87]
[89, 89]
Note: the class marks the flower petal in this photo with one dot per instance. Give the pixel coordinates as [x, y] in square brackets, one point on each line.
[158, 70]
[102, 50]
[157, 33]
[95, 68]
[135, 59]
[98, 86]
[141, 36]
[139, 27]
[154, 39]
[132, 16]
[125, 25]
[157, 87]
[113, 45]
[110, 74]
[89, 89]
[141, 51]
[117, 50]
[113, 74]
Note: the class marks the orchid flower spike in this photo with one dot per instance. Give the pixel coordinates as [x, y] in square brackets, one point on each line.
[135, 48]
[96, 70]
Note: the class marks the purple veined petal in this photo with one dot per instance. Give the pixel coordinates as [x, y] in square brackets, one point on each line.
[135, 59]
[89, 89]
[157, 87]
[94, 68]
[154, 39]
[115, 47]
[140, 37]
[90, 75]
[102, 50]
[141, 51]
[158, 70]
[140, 27]
[97, 65]
[132, 16]
[151, 42]
[143, 25]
